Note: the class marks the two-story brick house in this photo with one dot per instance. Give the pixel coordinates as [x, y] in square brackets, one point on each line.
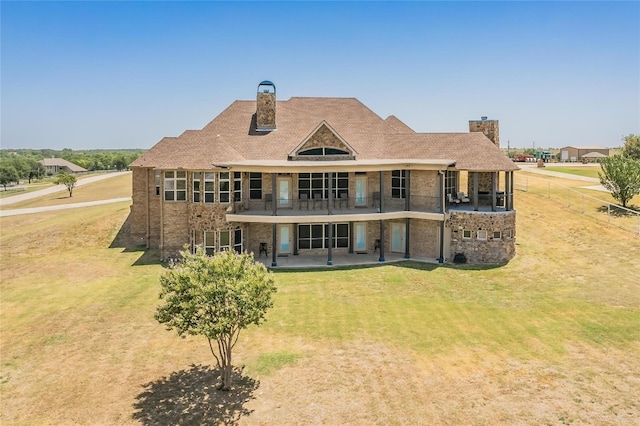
[310, 176]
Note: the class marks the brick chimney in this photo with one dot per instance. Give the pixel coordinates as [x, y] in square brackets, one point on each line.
[490, 128]
[266, 107]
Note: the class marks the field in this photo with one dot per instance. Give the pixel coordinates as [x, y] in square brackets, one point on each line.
[587, 171]
[551, 338]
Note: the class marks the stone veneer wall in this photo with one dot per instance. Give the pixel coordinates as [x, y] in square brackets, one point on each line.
[323, 138]
[490, 128]
[266, 110]
[484, 182]
[483, 251]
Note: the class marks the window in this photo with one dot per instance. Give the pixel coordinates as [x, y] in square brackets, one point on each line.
[466, 234]
[451, 182]
[323, 151]
[398, 183]
[209, 243]
[224, 240]
[482, 234]
[255, 186]
[237, 240]
[209, 187]
[157, 181]
[203, 184]
[340, 235]
[317, 236]
[175, 186]
[196, 187]
[224, 185]
[497, 235]
[313, 183]
[237, 186]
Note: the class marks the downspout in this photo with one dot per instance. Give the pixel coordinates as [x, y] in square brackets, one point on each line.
[148, 221]
[381, 258]
[274, 212]
[161, 215]
[407, 221]
[442, 189]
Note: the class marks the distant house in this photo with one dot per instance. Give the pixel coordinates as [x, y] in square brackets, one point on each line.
[56, 165]
[575, 153]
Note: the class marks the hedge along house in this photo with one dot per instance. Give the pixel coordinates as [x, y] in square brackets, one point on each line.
[325, 176]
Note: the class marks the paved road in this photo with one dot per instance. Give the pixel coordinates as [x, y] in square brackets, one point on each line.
[533, 168]
[15, 212]
[58, 188]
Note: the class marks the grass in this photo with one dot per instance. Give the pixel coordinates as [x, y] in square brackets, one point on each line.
[550, 338]
[587, 171]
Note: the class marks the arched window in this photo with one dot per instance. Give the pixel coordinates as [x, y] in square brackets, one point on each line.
[323, 151]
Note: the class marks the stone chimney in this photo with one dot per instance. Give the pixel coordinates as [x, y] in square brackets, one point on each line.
[490, 128]
[266, 107]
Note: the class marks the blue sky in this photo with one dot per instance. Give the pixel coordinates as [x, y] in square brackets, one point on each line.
[86, 75]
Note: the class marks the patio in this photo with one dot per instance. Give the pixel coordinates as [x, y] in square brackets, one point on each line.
[341, 260]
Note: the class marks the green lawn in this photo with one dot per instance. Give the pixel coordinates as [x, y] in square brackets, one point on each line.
[550, 338]
[588, 171]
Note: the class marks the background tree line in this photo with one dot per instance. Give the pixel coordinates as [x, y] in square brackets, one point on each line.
[23, 164]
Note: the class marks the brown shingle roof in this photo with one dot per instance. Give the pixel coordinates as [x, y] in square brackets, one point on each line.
[60, 162]
[231, 137]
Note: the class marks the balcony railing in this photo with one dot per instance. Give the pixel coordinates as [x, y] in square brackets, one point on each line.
[342, 205]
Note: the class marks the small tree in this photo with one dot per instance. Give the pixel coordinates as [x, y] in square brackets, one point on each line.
[632, 146]
[215, 297]
[621, 175]
[67, 180]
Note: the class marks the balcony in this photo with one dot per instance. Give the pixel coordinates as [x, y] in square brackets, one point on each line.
[342, 209]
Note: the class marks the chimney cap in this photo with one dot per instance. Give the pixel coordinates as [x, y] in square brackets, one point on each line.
[267, 83]
[483, 118]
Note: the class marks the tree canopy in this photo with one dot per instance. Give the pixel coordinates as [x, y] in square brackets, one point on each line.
[631, 146]
[215, 297]
[620, 174]
[8, 174]
[67, 180]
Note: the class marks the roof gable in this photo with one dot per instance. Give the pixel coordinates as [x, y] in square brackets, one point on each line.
[322, 137]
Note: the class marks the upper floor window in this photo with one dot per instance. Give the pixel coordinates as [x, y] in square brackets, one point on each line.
[398, 183]
[318, 184]
[255, 186]
[157, 181]
[175, 186]
[237, 186]
[224, 187]
[203, 186]
[323, 151]
[209, 187]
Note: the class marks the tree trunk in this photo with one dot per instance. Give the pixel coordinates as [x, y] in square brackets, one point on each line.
[226, 369]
